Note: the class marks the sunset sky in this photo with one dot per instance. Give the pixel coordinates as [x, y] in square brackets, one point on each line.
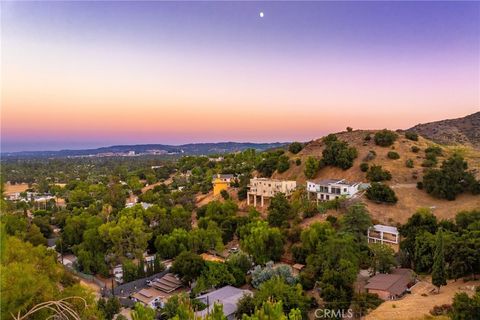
[88, 74]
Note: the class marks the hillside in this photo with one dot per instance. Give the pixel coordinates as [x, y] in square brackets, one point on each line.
[403, 181]
[463, 131]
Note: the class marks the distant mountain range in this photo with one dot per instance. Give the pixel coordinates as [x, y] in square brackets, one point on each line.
[465, 131]
[148, 149]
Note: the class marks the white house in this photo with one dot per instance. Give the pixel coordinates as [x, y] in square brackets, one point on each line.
[383, 234]
[329, 189]
[265, 188]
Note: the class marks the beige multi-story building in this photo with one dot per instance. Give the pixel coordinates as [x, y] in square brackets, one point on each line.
[263, 189]
[385, 235]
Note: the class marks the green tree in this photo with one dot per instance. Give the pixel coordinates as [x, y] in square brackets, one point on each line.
[376, 173]
[311, 167]
[271, 310]
[381, 193]
[295, 147]
[385, 138]
[439, 275]
[338, 153]
[382, 258]
[357, 220]
[188, 265]
[466, 308]
[279, 210]
[262, 242]
[142, 313]
[283, 164]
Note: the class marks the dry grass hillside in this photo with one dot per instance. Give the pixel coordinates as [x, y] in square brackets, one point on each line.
[463, 131]
[403, 179]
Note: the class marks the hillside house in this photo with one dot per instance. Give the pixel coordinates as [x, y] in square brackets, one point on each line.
[227, 296]
[384, 234]
[158, 291]
[221, 182]
[265, 188]
[391, 286]
[329, 189]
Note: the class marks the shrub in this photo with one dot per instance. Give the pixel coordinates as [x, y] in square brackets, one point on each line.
[376, 173]
[385, 138]
[364, 167]
[298, 162]
[225, 194]
[393, 155]
[415, 149]
[311, 167]
[419, 185]
[349, 129]
[442, 310]
[283, 164]
[437, 151]
[411, 136]
[427, 163]
[451, 180]
[381, 193]
[295, 147]
[409, 163]
[368, 137]
[338, 153]
[370, 155]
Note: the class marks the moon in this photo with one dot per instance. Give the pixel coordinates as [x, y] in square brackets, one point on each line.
[261, 14]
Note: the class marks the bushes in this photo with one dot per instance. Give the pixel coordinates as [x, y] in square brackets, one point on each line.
[338, 153]
[295, 147]
[368, 137]
[415, 149]
[224, 194]
[364, 167]
[451, 180]
[435, 150]
[393, 155]
[298, 162]
[370, 155]
[381, 193]
[409, 163]
[376, 173]
[385, 138]
[411, 136]
[311, 167]
[283, 164]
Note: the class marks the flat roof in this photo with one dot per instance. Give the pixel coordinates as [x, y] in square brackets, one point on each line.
[384, 228]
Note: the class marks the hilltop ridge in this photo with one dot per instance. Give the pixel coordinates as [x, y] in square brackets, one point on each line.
[463, 131]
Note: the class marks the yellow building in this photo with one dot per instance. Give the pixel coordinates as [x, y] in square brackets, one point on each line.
[221, 182]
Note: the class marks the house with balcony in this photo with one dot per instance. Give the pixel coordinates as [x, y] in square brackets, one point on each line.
[329, 189]
[385, 235]
[263, 189]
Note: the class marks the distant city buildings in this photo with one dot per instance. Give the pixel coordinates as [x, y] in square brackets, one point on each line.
[262, 189]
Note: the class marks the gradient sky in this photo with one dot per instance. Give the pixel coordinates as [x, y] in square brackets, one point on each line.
[87, 74]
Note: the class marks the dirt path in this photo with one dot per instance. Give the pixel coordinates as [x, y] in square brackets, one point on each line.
[422, 299]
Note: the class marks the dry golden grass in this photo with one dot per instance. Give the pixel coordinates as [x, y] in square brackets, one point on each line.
[415, 306]
[13, 188]
[403, 179]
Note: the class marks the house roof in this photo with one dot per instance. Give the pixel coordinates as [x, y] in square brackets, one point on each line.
[383, 228]
[147, 295]
[395, 282]
[168, 283]
[228, 296]
[326, 182]
[223, 176]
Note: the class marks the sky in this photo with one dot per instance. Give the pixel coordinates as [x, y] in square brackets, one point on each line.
[89, 74]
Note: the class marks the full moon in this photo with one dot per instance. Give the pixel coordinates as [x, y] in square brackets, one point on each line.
[261, 14]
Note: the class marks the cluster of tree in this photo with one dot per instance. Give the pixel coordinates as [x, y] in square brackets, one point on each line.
[261, 274]
[410, 135]
[312, 165]
[456, 248]
[295, 147]
[262, 242]
[31, 275]
[376, 173]
[132, 271]
[451, 179]
[385, 138]
[380, 192]
[273, 160]
[338, 153]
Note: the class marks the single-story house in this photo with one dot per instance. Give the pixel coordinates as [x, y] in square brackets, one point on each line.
[227, 296]
[391, 286]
